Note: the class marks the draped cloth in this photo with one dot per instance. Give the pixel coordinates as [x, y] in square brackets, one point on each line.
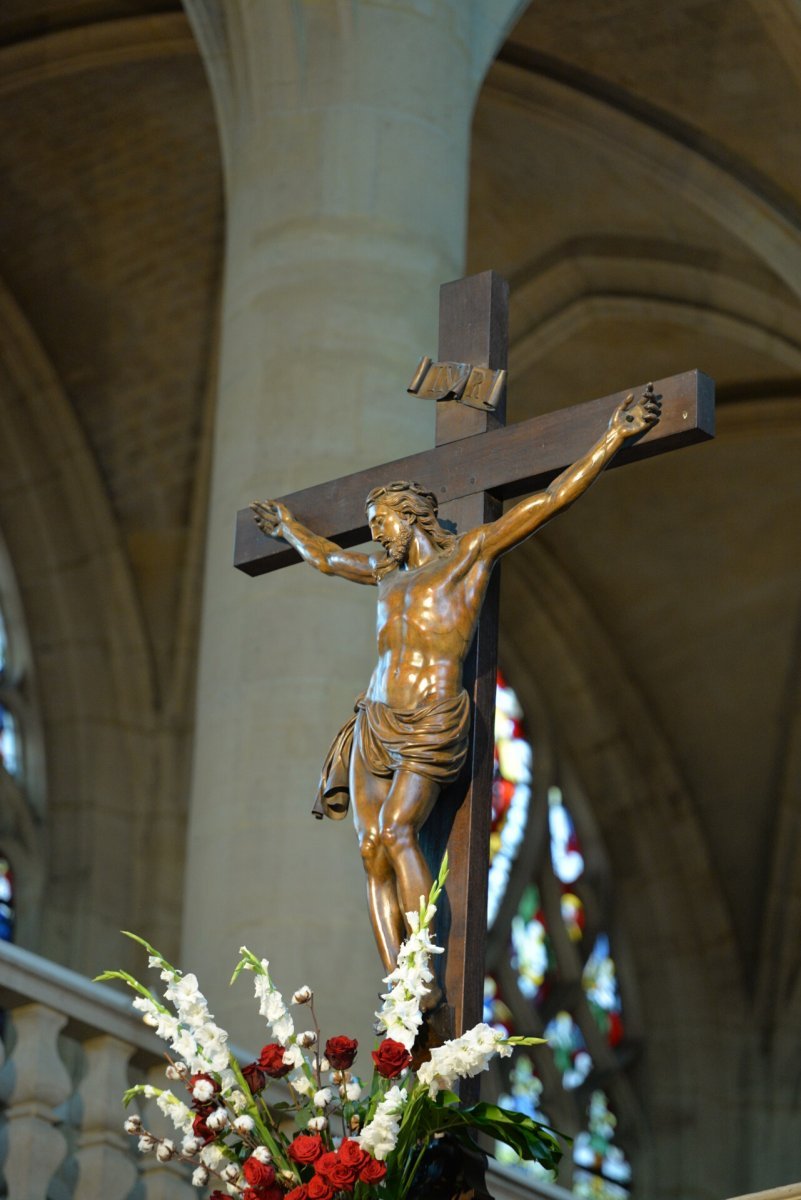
[431, 741]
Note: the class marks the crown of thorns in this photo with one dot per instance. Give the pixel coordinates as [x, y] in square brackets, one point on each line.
[398, 488]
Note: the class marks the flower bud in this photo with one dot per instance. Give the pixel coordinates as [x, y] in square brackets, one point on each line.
[200, 1177]
[317, 1124]
[190, 1146]
[147, 1143]
[302, 996]
[244, 1124]
[287, 1175]
[322, 1098]
[355, 1123]
[172, 1072]
[230, 1173]
[133, 1124]
[325, 1064]
[165, 1151]
[263, 1155]
[307, 1038]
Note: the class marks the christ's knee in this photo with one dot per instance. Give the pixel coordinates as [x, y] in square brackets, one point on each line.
[370, 848]
[397, 838]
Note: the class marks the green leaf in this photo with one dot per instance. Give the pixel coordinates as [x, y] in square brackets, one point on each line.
[151, 950]
[530, 1140]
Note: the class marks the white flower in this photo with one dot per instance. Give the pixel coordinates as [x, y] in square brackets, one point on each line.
[380, 1135]
[231, 1173]
[200, 1177]
[203, 1090]
[147, 1143]
[238, 1101]
[133, 1124]
[400, 1014]
[244, 1124]
[462, 1057]
[190, 1145]
[303, 1086]
[322, 1098]
[165, 1151]
[176, 1110]
[212, 1156]
[307, 1038]
[293, 1056]
[172, 1072]
[302, 995]
[353, 1090]
[317, 1124]
[272, 1008]
[263, 1155]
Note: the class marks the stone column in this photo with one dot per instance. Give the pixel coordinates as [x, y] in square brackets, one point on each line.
[345, 134]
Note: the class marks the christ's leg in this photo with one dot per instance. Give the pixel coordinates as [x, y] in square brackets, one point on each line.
[368, 794]
[404, 812]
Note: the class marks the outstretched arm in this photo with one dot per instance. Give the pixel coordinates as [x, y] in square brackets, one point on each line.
[630, 418]
[275, 519]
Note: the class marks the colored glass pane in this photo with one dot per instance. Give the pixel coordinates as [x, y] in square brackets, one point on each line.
[525, 1095]
[6, 901]
[9, 743]
[600, 983]
[511, 794]
[602, 1169]
[568, 861]
[3, 645]
[531, 953]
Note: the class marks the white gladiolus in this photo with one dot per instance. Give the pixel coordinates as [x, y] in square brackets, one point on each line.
[462, 1057]
[212, 1157]
[400, 1014]
[176, 1110]
[380, 1135]
[302, 1085]
[293, 1057]
[272, 1007]
[238, 1101]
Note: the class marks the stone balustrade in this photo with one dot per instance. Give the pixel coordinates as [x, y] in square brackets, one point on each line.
[69, 1050]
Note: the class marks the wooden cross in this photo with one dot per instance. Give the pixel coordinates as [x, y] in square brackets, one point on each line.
[477, 464]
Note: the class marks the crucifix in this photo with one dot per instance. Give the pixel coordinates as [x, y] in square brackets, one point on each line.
[421, 742]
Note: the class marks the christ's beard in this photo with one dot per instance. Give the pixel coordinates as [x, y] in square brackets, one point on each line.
[398, 548]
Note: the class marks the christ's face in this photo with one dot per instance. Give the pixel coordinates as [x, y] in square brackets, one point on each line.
[391, 529]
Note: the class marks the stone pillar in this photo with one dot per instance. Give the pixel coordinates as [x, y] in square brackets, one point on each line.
[106, 1166]
[345, 133]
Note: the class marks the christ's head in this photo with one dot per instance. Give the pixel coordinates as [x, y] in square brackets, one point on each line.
[394, 510]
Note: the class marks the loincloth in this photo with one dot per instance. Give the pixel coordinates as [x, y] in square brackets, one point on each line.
[431, 741]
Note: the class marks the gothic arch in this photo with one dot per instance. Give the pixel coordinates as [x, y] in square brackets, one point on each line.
[89, 648]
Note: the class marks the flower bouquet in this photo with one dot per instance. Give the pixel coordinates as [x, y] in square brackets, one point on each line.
[329, 1137]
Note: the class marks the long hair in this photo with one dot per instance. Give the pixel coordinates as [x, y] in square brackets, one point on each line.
[414, 501]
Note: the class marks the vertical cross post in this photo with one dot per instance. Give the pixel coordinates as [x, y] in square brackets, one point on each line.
[474, 321]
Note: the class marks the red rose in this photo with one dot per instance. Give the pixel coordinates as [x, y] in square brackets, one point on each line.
[342, 1177]
[218, 1195]
[325, 1163]
[341, 1051]
[271, 1061]
[373, 1172]
[254, 1077]
[297, 1193]
[318, 1189]
[201, 1130]
[352, 1155]
[391, 1058]
[266, 1193]
[306, 1148]
[258, 1174]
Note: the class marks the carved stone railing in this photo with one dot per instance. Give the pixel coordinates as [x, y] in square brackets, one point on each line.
[69, 1050]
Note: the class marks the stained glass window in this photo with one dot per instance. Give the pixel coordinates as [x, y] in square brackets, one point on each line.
[9, 732]
[6, 900]
[551, 970]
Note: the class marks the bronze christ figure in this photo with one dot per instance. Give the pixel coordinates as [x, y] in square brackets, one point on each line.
[409, 735]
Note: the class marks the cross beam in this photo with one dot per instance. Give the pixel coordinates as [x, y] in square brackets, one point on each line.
[508, 462]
